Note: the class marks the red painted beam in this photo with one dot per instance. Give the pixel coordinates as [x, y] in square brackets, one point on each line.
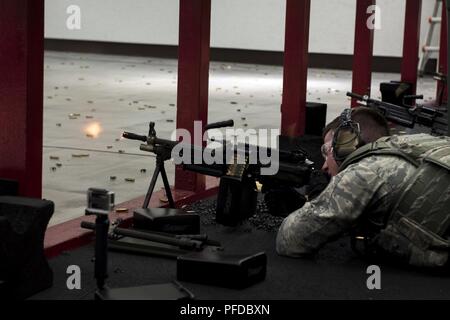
[448, 58]
[21, 93]
[193, 77]
[363, 50]
[411, 42]
[442, 92]
[295, 73]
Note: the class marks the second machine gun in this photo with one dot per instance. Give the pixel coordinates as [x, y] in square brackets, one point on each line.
[409, 116]
[237, 198]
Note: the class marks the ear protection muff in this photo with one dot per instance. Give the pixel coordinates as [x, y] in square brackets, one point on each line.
[347, 137]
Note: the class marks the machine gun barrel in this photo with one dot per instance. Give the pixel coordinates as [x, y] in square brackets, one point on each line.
[392, 112]
[220, 124]
[427, 116]
[369, 100]
[134, 136]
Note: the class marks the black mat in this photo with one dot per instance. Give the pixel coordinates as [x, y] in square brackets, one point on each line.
[336, 273]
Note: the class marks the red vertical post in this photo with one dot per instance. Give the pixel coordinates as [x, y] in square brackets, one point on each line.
[295, 73]
[363, 50]
[193, 77]
[448, 58]
[21, 93]
[443, 47]
[411, 42]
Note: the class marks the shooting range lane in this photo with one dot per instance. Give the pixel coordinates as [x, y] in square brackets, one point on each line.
[336, 273]
[125, 93]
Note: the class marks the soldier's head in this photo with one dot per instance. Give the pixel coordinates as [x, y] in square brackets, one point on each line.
[372, 126]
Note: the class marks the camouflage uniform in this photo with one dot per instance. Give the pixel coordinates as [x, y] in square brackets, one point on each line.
[365, 189]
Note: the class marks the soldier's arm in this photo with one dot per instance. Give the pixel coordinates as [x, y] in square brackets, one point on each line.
[329, 215]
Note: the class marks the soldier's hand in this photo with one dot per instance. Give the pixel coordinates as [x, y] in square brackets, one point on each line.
[317, 183]
[282, 201]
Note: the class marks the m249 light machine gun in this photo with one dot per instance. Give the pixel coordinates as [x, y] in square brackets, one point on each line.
[434, 118]
[237, 191]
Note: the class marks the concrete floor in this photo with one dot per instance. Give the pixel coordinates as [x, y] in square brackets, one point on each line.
[120, 93]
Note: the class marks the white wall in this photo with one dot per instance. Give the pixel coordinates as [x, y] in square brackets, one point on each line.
[244, 24]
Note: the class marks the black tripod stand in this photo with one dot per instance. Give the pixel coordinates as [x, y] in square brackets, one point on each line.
[165, 291]
[160, 158]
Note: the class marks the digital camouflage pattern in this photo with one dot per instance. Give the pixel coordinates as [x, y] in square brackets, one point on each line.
[365, 192]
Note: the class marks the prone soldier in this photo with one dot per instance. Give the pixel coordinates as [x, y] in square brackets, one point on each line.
[391, 192]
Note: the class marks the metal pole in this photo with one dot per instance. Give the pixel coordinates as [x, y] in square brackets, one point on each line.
[101, 249]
